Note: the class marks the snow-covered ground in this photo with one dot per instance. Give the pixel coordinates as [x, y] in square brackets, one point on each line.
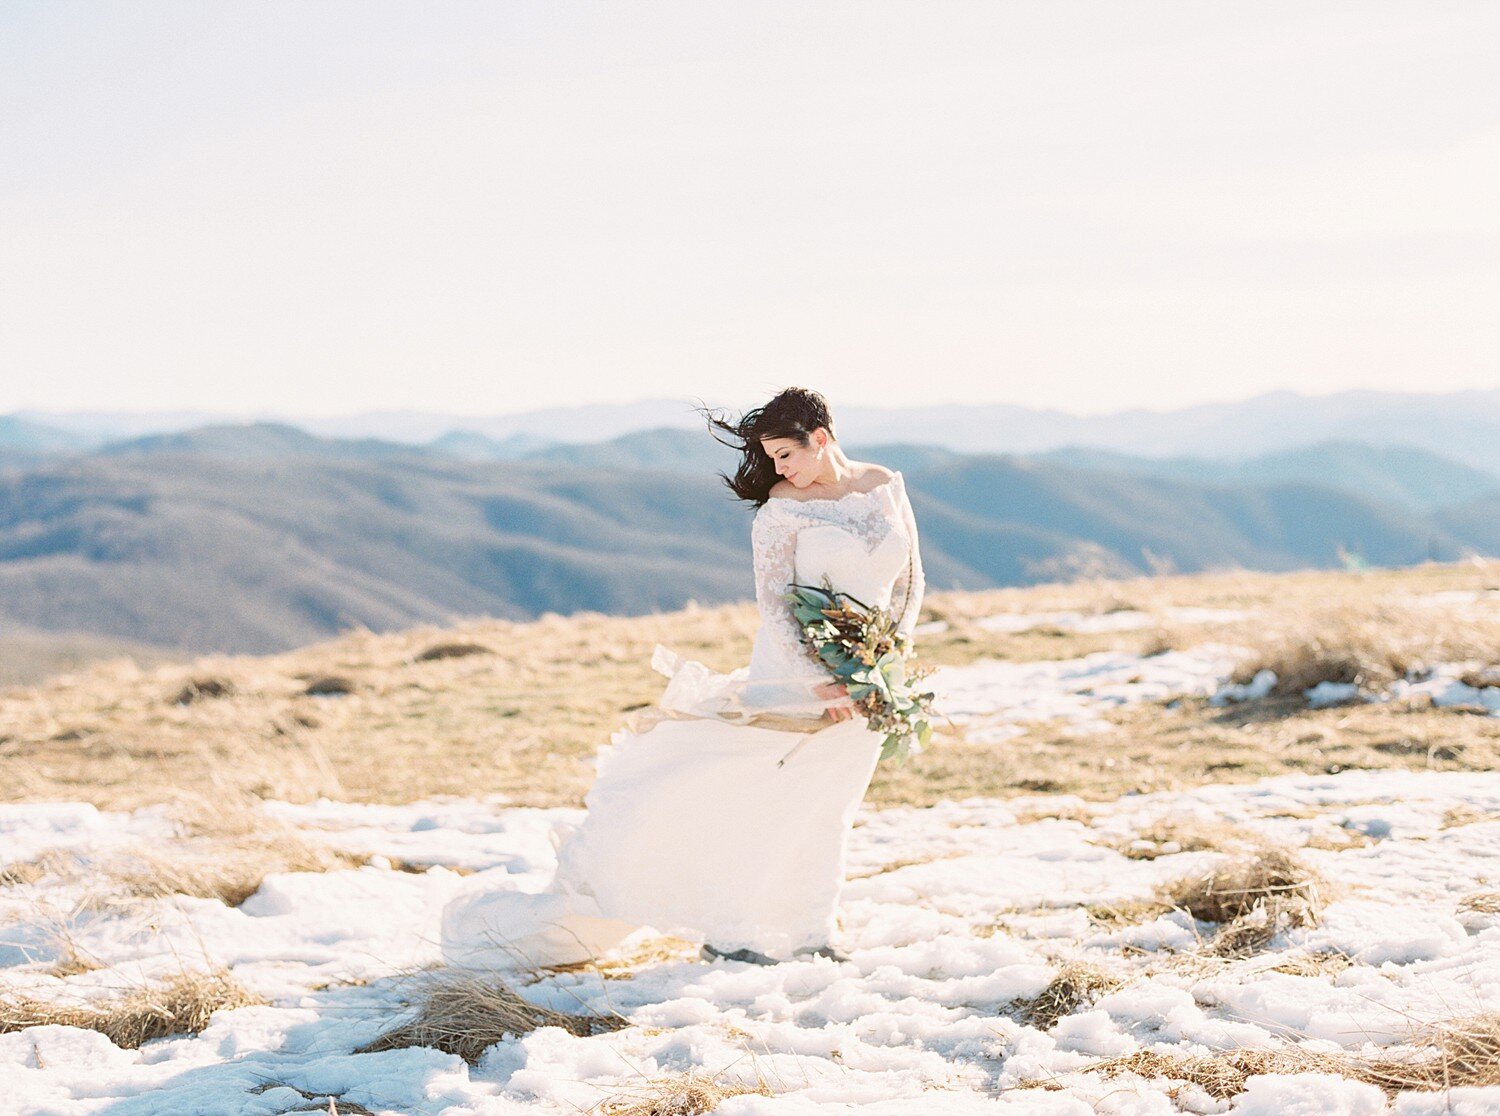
[1120, 620]
[994, 698]
[951, 914]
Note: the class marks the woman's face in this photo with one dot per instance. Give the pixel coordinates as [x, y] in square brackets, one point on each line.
[794, 461]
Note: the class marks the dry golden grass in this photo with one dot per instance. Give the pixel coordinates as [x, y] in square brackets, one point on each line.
[1369, 645]
[905, 862]
[466, 1012]
[1075, 984]
[1168, 836]
[1269, 879]
[1457, 816]
[326, 1104]
[1314, 964]
[1028, 813]
[1481, 902]
[526, 719]
[178, 1007]
[653, 951]
[1455, 1054]
[1112, 914]
[689, 1094]
[220, 853]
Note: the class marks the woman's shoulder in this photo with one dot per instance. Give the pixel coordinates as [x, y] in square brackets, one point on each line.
[867, 476]
[872, 476]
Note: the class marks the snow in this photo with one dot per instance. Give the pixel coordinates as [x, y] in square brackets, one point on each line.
[993, 698]
[1120, 620]
[921, 1020]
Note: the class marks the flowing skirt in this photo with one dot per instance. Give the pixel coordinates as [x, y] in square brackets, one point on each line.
[732, 834]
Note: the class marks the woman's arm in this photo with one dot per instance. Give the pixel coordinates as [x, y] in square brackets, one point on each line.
[911, 583]
[783, 673]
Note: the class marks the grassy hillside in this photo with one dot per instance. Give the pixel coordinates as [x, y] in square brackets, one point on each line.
[520, 709]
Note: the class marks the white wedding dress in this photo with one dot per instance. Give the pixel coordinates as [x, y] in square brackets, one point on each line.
[724, 820]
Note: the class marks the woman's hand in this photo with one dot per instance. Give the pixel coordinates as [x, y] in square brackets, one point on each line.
[831, 690]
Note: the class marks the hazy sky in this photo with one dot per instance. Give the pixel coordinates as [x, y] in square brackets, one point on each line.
[315, 207]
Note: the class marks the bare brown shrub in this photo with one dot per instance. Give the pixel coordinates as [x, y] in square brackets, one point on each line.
[1075, 984]
[687, 1095]
[178, 1007]
[465, 1013]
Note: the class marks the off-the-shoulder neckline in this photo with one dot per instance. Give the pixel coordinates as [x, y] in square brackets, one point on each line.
[887, 483]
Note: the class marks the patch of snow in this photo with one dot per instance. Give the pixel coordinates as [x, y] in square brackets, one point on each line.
[1253, 690]
[1325, 694]
[960, 911]
[989, 695]
[1121, 620]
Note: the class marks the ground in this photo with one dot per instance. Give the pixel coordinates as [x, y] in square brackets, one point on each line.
[1107, 887]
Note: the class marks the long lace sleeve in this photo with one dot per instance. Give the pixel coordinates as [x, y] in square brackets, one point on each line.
[781, 670]
[911, 583]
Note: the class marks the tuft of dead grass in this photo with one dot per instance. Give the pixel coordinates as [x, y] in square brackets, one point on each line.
[1457, 816]
[1271, 877]
[329, 1104]
[1481, 677]
[1064, 809]
[466, 1012]
[1168, 836]
[179, 1007]
[1460, 1053]
[1075, 984]
[1317, 964]
[196, 689]
[1481, 902]
[1249, 933]
[1457, 1053]
[1115, 913]
[907, 862]
[224, 853]
[1370, 646]
[45, 863]
[689, 1094]
[456, 650]
[653, 951]
[329, 685]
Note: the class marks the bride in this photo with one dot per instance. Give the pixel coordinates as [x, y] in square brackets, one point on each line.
[723, 817]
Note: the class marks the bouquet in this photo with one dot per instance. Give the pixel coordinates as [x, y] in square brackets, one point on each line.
[862, 648]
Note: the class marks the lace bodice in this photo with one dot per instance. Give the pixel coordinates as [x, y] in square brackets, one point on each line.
[864, 543]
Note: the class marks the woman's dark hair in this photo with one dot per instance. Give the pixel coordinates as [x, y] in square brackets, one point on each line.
[794, 413]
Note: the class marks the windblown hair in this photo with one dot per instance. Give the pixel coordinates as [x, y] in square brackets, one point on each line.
[794, 413]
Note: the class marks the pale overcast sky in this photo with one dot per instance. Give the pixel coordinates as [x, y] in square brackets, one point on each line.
[320, 208]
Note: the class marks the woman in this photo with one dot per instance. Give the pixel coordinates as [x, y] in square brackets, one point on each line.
[726, 816]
